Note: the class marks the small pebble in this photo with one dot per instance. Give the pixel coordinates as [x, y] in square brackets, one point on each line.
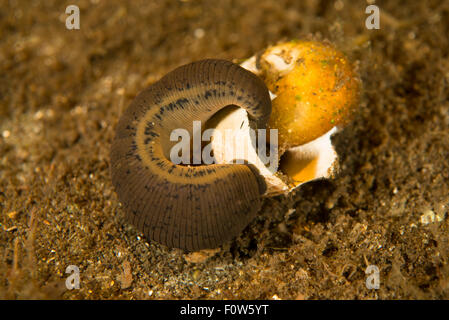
[200, 256]
[12, 214]
[6, 134]
[199, 33]
[429, 216]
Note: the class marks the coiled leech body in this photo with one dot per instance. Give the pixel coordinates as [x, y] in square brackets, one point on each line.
[187, 207]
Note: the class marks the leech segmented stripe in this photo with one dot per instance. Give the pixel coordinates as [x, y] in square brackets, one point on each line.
[187, 207]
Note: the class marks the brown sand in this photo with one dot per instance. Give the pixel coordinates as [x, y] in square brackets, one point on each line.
[62, 92]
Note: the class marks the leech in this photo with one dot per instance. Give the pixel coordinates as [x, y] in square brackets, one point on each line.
[187, 207]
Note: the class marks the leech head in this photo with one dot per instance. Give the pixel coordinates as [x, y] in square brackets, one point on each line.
[188, 207]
